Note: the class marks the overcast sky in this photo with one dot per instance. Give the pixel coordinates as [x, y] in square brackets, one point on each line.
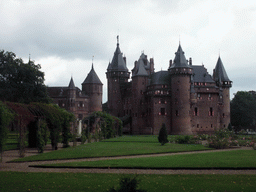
[63, 35]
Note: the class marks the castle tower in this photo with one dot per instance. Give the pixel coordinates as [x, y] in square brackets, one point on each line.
[71, 96]
[139, 85]
[92, 87]
[180, 73]
[117, 73]
[223, 82]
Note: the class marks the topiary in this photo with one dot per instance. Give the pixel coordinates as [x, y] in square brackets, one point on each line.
[162, 137]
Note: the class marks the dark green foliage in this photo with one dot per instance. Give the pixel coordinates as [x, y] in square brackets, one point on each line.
[41, 135]
[162, 137]
[229, 127]
[21, 82]
[5, 118]
[243, 109]
[109, 125]
[183, 139]
[58, 121]
[221, 139]
[128, 184]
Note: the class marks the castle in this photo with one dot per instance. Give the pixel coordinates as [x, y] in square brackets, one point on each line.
[185, 97]
[79, 102]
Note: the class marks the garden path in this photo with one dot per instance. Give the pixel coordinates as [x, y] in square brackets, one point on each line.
[24, 166]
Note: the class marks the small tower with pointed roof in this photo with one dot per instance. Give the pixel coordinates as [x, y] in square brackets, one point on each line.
[117, 73]
[139, 86]
[71, 95]
[92, 86]
[180, 73]
[224, 83]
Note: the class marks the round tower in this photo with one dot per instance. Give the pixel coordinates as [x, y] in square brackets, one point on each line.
[180, 73]
[117, 73]
[223, 82]
[92, 87]
[139, 86]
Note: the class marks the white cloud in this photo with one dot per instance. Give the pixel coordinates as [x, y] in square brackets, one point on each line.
[63, 35]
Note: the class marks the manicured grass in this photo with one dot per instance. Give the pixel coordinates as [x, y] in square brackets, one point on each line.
[18, 181]
[108, 149]
[12, 142]
[138, 138]
[223, 159]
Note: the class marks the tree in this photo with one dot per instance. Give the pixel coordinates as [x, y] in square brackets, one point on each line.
[243, 109]
[21, 82]
[162, 138]
[5, 118]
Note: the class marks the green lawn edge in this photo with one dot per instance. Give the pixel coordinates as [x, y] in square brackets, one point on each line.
[90, 182]
[112, 149]
[235, 159]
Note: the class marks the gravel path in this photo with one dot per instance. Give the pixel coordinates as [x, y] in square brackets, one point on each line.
[24, 167]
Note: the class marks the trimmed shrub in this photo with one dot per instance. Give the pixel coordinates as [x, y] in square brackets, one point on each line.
[162, 137]
[128, 185]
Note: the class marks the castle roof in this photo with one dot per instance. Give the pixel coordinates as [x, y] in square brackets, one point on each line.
[117, 63]
[220, 74]
[71, 84]
[201, 75]
[62, 92]
[180, 59]
[92, 78]
[141, 71]
[160, 78]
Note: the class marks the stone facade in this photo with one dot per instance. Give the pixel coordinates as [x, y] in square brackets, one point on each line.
[185, 97]
[79, 102]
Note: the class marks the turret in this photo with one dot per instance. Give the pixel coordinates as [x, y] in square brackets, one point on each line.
[139, 85]
[92, 87]
[117, 73]
[224, 83]
[180, 73]
[71, 95]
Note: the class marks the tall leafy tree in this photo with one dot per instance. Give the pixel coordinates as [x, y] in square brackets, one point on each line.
[5, 118]
[243, 109]
[19, 81]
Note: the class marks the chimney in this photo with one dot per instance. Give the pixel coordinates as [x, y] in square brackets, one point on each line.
[151, 61]
[190, 61]
[124, 60]
[170, 63]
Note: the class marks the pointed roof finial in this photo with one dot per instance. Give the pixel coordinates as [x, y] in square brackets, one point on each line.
[117, 39]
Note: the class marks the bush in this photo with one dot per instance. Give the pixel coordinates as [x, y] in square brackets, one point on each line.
[184, 139]
[162, 138]
[128, 185]
[222, 139]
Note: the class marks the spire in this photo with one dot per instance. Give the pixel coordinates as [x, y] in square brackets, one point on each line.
[118, 63]
[92, 78]
[220, 74]
[180, 59]
[71, 84]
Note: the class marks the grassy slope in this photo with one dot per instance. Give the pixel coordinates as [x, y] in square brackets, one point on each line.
[15, 181]
[107, 149]
[223, 159]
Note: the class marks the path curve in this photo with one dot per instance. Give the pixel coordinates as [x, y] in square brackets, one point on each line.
[24, 166]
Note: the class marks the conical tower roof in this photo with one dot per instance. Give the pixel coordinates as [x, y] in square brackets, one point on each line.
[141, 69]
[180, 59]
[92, 78]
[117, 63]
[220, 72]
[71, 84]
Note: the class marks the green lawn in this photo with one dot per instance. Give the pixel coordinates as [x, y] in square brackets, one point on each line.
[107, 149]
[223, 159]
[12, 142]
[17, 181]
